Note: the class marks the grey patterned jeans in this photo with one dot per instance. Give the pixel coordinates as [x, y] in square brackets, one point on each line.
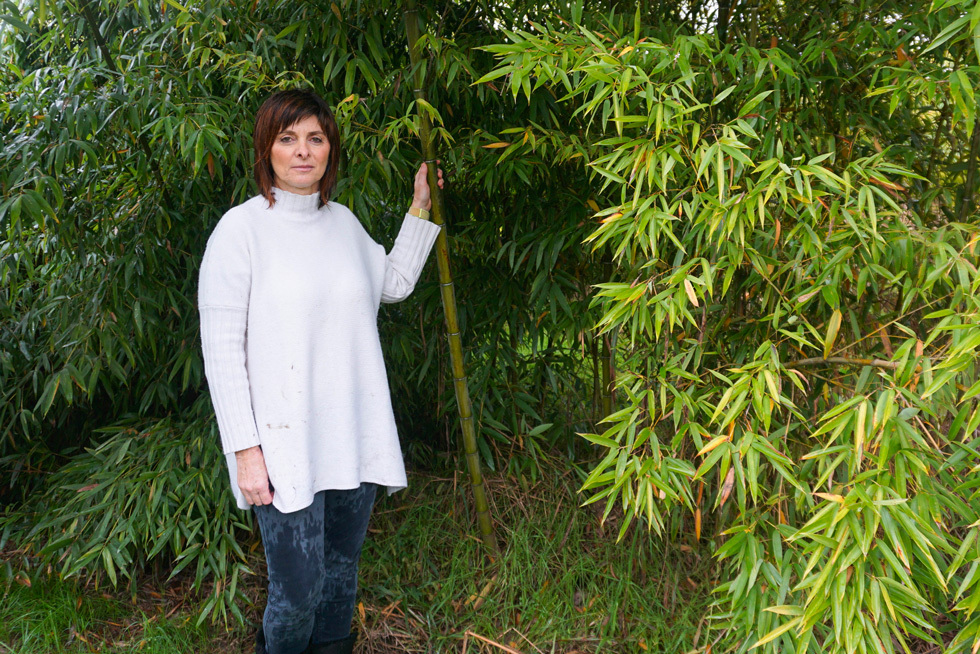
[312, 556]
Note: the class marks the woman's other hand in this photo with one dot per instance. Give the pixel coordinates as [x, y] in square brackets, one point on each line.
[423, 199]
[253, 478]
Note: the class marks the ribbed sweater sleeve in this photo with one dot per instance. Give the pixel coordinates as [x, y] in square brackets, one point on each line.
[223, 339]
[407, 257]
[223, 293]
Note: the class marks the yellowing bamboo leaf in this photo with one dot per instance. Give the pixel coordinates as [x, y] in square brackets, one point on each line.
[689, 289]
[720, 169]
[336, 11]
[903, 558]
[501, 144]
[806, 296]
[726, 488]
[697, 524]
[771, 383]
[785, 609]
[886, 342]
[715, 442]
[889, 185]
[592, 204]
[777, 632]
[859, 435]
[832, 329]
[831, 497]
[627, 49]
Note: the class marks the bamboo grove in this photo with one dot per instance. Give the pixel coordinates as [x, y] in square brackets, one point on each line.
[721, 257]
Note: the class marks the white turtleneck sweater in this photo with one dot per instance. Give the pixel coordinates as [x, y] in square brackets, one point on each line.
[289, 300]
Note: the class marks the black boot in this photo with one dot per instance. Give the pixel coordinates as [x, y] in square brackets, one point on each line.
[342, 646]
[260, 641]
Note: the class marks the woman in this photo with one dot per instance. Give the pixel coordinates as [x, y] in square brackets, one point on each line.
[289, 293]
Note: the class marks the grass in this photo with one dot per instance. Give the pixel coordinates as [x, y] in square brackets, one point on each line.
[562, 585]
[54, 617]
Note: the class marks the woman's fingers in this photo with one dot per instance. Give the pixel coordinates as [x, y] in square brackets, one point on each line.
[421, 176]
[421, 183]
[422, 192]
[257, 491]
[263, 496]
[253, 477]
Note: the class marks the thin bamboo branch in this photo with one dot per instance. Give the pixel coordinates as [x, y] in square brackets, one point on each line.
[843, 361]
[484, 521]
[966, 201]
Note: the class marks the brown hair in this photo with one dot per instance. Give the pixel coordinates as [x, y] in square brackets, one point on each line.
[279, 111]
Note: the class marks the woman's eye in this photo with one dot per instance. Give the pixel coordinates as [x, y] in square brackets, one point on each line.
[317, 139]
[285, 139]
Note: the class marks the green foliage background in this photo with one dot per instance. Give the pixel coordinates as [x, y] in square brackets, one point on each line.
[761, 214]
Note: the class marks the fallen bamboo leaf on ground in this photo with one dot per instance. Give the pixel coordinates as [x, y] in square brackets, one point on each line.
[494, 643]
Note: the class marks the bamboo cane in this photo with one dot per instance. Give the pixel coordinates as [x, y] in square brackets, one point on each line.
[449, 297]
[608, 360]
[607, 376]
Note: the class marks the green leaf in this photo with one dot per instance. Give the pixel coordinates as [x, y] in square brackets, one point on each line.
[831, 337]
[777, 632]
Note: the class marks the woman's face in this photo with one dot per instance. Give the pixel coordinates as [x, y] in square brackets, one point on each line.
[299, 156]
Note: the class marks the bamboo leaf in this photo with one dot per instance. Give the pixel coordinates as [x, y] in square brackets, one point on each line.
[777, 632]
[832, 329]
[715, 442]
[860, 435]
[691, 295]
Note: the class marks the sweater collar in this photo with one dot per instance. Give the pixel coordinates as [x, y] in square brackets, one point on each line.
[299, 207]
